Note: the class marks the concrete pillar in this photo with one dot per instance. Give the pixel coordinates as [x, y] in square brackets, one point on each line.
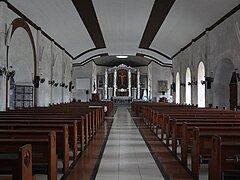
[129, 83]
[3, 54]
[106, 84]
[115, 82]
[138, 84]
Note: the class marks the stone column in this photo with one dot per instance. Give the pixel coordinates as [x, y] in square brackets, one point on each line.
[138, 84]
[3, 55]
[52, 64]
[129, 83]
[106, 84]
[115, 82]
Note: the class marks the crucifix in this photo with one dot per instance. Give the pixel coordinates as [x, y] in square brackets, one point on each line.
[122, 76]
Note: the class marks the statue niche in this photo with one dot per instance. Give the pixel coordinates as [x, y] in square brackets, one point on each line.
[110, 80]
[122, 79]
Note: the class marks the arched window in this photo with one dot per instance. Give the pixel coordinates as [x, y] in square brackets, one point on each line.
[201, 85]
[188, 87]
[177, 88]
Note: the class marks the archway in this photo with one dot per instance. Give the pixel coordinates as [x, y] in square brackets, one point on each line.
[221, 83]
[22, 59]
[188, 87]
[201, 85]
[177, 88]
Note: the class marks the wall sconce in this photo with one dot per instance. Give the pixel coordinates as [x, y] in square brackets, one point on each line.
[10, 72]
[42, 80]
[56, 84]
[192, 83]
[51, 82]
[203, 82]
[62, 84]
[182, 84]
[3, 71]
[36, 81]
[208, 81]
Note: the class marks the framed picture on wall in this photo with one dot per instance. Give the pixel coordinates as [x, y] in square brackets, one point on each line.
[162, 86]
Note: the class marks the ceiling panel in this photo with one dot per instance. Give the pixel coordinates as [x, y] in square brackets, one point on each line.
[186, 20]
[122, 23]
[60, 20]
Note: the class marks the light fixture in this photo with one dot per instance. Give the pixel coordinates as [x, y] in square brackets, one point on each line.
[192, 83]
[182, 84]
[62, 84]
[51, 82]
[10, 72]
[55, 84]
[3, 71]
[121, 56]
[36, 81]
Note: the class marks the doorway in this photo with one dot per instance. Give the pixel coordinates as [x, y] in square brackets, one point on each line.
[233, 91]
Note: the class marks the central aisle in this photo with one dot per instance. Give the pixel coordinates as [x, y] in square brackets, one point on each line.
[126, 156]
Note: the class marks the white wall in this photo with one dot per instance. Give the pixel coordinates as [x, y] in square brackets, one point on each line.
[214, 47]
[85, 71]
[160, 73]
[21, 58]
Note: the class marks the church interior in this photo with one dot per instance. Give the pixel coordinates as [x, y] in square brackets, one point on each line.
[129, 89]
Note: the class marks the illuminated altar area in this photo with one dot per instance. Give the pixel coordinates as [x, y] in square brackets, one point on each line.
[122, 83]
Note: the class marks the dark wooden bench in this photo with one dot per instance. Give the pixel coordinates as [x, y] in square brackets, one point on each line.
[43, 151]
[48, 124]
[202, 143]
[37, 131]
[174, 132]
[87, 118]
[17, 163]
[224, 157]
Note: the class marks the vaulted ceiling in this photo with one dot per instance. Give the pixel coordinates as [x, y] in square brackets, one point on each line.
[145, 30]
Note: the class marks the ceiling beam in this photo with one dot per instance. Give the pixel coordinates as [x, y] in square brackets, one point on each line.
[158, 14]
[88, 15]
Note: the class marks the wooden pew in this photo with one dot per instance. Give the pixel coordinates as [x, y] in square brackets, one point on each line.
[225, 157]
[43, 151]
[17, 163]
[202, 140]
[83, 120]
[188, 133]
[22, 131]
[47, 123]
[176, 129]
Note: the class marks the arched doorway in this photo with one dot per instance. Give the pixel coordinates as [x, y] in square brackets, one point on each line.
[188, 87]
[222, 78]
[177, 88]
[201, 85]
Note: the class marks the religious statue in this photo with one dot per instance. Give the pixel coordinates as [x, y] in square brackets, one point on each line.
[122, 76]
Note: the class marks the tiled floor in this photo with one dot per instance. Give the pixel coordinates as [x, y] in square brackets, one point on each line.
[126, 155]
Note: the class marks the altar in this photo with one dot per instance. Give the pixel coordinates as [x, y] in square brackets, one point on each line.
[122, 81]
[122, 99]
[122, 92]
